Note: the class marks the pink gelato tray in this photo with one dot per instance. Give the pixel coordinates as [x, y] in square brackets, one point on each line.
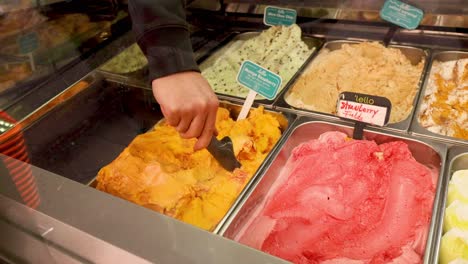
[430, 156]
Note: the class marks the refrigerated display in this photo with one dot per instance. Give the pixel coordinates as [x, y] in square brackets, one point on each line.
[106, 164]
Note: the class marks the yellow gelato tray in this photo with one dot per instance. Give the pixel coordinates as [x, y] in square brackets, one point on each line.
[439, 133]
[414, 55]
[189, 215]
[457, 159]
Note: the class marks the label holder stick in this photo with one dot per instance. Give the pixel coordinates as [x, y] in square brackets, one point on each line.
[389, 35]
[358, 132]
[247, 105]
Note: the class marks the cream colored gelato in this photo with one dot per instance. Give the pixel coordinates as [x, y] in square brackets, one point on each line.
[368, 68]
[444, 109]
[279, 49]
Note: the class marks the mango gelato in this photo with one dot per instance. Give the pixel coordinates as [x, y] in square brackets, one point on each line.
[160, 170]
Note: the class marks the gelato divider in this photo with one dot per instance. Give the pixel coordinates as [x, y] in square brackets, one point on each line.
[430, 154]
[414, 54]
[416, 127]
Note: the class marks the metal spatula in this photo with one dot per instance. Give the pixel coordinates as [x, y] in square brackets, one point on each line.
[222, 151]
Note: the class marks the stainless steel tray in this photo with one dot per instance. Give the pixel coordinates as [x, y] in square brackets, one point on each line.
[457, 159]
[414, 54]
[211, 57]
[306, 128]
[285, 120]
[416, 127]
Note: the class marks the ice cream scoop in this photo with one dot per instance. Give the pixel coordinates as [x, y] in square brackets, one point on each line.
[222, 151]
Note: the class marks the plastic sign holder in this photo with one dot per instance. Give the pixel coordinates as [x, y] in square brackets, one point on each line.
[277, 16]
[28, 43]
[401, 14]
[260, 81]
[363, 109]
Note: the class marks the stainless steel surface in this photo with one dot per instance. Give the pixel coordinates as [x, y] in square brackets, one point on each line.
[209, 59]
[285, 120]
[457, 159]
[416, 127]
[47, 240]
[414, 54]
[306, 128]
[85, 221]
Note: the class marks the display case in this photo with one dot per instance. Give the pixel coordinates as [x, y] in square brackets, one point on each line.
[93, 174]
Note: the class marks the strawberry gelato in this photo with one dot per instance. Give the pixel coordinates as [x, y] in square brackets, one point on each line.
[339, 200]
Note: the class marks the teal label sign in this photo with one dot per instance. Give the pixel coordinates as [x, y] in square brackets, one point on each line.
[259, 79]
[28, 42]
[275, 16]
[401, 14]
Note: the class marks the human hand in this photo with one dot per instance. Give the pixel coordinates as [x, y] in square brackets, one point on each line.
[189, 104]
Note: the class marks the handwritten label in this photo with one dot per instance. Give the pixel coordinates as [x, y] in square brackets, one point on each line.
[275, 16]
[401, 14]
[259, 79]
[28, 42]
[364, 108]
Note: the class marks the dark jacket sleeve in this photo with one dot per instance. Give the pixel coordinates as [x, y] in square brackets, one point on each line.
[163, 35]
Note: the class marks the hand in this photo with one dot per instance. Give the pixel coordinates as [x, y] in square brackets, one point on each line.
[189, 104]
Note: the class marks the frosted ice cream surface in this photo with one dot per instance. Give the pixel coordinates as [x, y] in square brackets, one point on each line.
[444, 109]
[346, 201]
[368, 68]
[279, 49]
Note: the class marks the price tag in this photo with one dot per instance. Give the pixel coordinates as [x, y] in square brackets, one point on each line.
[28, 42]
[276, 16]
[258, 80]
[401, 14]
[364, 108]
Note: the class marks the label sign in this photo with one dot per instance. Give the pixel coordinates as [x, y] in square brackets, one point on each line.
[259, 79]
[364, 108]
[28, 42]
[275, 16]
[401, 14]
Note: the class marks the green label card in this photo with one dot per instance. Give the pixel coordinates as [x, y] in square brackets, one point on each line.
[28, 42]
[401, 14]
[275, 16]
[259, 79]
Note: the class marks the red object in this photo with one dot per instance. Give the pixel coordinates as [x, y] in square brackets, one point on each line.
[16, 159]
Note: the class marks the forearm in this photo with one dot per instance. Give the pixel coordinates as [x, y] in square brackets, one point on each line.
[163, 35]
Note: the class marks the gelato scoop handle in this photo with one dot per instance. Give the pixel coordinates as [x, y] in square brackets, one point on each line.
[222, 151]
